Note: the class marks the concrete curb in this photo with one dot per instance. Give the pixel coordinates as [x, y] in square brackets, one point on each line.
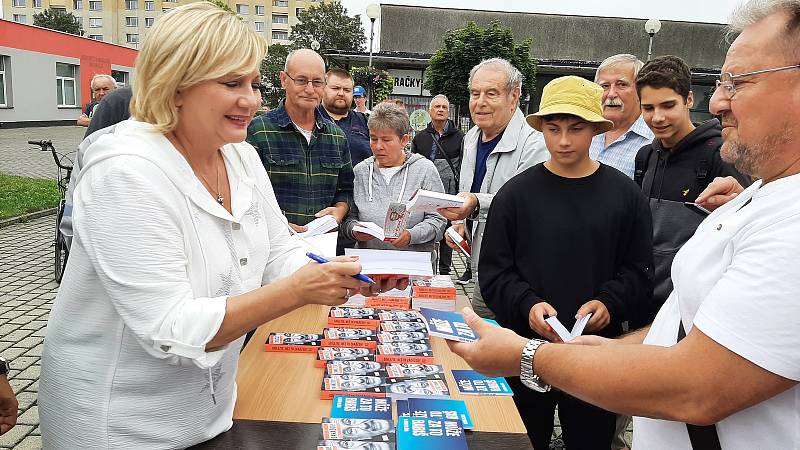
[26, 217]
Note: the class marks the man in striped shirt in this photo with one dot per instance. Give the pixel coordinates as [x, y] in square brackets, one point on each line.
[618, 147]
[305, 154]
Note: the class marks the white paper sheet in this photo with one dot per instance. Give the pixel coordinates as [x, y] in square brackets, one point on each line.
[561, 330]
[395, 262]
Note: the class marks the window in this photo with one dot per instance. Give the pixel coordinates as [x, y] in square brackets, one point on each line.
[242, 9]
[80, 21]
[95, 5]
[148, 22]
[280, 3]
[3, 83]
[20, 18]
[149, 6]
[280, 18]
[132, 38]
[131, 5]
[166, 10]
[19, 3]
[77, 5]
[280, 35]
[297, 11]
[66, 74]
[259, 10]
[259, 26]
[96, 37]
[131, 21]
[37, 3]
[121, 77]
[95, 22]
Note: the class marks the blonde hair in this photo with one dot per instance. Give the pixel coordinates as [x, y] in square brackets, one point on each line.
[193, 43]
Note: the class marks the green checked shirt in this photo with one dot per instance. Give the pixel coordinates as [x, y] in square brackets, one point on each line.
[306, 177]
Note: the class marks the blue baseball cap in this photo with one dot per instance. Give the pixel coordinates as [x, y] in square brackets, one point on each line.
[359, 91]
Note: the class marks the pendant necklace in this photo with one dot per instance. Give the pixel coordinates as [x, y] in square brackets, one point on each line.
[220, 199]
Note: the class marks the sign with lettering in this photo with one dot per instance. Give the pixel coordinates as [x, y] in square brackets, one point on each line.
[408, 82]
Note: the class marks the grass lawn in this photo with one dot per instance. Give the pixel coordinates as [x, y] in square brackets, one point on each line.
[21, 195]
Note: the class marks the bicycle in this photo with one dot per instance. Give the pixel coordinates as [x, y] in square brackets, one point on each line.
[61, 250]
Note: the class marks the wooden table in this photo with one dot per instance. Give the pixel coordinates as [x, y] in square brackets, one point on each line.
[278, 394]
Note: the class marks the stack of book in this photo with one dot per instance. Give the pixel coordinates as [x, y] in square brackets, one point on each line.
[394, 299]
[437, 292]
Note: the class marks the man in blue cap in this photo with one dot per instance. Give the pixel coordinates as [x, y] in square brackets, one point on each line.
[360, 96]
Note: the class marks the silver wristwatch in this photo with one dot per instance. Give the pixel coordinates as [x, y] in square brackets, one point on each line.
[526, 375]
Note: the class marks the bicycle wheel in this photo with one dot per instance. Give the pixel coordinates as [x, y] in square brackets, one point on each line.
[60, 249]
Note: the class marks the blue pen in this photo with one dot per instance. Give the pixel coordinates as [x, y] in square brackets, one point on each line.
[322, 260]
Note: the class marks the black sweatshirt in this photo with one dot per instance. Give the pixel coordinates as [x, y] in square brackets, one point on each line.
[567, 241]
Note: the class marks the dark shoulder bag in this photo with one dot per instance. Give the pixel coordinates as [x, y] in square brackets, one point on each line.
[446, 156]
[702, 437]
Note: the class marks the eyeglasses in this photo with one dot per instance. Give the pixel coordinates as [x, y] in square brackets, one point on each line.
[728, 80]
[303, 82]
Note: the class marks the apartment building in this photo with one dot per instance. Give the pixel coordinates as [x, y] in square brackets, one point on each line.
[126, 22]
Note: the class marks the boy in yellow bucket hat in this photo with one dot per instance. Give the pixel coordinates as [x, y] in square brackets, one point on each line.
[567, 238]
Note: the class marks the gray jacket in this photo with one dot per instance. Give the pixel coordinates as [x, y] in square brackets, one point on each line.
[372, 195]
[520, 147]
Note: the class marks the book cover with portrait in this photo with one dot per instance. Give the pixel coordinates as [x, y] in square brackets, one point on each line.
[326, 354]
[406, 370]
[355, 385]
[470, 382]
[293, 342]
[386, 337]
[353, 318]
[416, 352]
[398, 315]
[441, 409]
[353, 367]
[349, 337]
[376, 430]
[395, 325]
[406, 388]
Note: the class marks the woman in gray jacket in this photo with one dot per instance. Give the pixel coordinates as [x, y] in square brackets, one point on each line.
[393, 175]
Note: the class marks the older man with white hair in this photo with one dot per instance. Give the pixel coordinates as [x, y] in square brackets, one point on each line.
[441, 143]
[720, 365]
[618, 147]
[100, 85]
[499, 146]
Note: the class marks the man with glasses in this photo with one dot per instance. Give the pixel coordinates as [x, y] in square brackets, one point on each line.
[719, 367]
[306, 155]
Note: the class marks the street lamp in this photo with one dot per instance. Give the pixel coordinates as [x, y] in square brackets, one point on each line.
[652, 26]
[373, 12]
[315, 45]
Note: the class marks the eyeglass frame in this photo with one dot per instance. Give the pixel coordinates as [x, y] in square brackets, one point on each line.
[301, 84]
[733, 77]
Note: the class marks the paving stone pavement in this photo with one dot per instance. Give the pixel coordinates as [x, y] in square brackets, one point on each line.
[17, 157]
[27, 291]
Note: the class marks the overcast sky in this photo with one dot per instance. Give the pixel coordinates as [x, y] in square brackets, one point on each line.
[714, 11]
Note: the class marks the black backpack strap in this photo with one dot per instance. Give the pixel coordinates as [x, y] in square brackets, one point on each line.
[446, 156]
[641, 163]
[702, 437]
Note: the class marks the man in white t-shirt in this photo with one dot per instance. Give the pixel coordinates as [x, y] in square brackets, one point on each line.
[736, 374]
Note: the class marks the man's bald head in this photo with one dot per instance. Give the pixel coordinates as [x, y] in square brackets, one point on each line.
[304, 57]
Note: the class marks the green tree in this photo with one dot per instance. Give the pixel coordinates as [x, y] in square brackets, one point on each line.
[463, 48]
[271, 68]
[59, 20]
[328, 24]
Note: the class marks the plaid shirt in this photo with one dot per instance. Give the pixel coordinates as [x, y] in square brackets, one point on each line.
[621, 154]
[306, 177]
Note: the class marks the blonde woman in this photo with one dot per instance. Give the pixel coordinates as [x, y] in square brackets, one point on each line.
[179, 250]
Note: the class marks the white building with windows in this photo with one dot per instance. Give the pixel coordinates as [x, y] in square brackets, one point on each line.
[45, 74]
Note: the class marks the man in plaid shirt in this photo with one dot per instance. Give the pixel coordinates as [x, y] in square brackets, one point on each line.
[305, 154]
[618, 147]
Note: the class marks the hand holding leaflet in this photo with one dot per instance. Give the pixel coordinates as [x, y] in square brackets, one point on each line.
[561, 330]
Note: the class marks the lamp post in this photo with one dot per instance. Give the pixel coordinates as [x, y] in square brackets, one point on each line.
[315, 45]
[373, 12]
[652, 26]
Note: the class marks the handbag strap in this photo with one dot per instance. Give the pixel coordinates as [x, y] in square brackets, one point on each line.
[702, 437]
[444, 152]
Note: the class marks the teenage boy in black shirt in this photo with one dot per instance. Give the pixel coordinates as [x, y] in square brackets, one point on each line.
[680, 163]
[566, 238]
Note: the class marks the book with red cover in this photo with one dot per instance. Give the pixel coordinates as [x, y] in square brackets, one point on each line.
[349, 337]
[326, 354]
[386, 302]
[353, 318]
[438, 287]
[394, 325]
[397, 315]
[400, 371]
[418, 352]
[386, 337]
[293, 342]
[356, 385]
[352, 367]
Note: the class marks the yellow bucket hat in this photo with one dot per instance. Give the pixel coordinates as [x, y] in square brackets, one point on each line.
[572, 95]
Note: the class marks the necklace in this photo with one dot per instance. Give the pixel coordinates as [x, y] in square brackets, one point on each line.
[220, 199]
